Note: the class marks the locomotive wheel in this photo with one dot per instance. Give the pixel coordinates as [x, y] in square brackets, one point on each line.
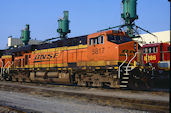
[1, 78]
[133, 84]
[135, 81]
[97, 84]
[14, 79]
[6, 77]
[82, 83]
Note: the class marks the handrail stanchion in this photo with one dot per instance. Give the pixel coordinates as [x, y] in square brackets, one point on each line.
[129, 63]
[1, 67]
[121, 65]
[9, 67]
[4, 67]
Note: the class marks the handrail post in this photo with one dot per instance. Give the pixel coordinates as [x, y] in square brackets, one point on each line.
[4, 67]
[132, 59]
[9, 67]
[129, 63]
[1, 67]
[121, 65]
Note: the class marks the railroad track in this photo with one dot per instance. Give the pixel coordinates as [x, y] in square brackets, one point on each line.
[159, 101]
[6, 109]
[11, 109]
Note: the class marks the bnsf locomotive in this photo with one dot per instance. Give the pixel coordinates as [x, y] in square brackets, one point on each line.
[108, 58]
[99, 59]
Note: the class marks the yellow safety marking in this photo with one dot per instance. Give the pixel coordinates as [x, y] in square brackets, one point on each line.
[115, 67]
[97, 63]
[135, 64]
[83, 67]
[7, 56]
[84, 64]
[47, 65]
[64, 68]
[69, 68]
[132, 67]
[97, 67]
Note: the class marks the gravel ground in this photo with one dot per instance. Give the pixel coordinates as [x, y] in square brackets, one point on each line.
[143, 95]
[7, 110]
[55, 105]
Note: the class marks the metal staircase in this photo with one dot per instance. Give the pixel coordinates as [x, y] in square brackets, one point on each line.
[124, 78]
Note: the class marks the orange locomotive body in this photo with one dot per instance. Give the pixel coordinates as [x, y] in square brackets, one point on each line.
[99, 51]
[91, 60]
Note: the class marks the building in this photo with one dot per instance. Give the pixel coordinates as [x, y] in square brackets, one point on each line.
[16, 41]
[163, 36]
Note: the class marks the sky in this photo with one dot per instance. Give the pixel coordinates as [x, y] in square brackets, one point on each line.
[86, 16]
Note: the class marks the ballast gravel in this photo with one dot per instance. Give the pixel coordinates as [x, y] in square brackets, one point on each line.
[55, 105]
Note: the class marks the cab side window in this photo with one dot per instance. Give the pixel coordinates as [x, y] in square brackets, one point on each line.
[96, 40]
[152, 50]
[144, 50]
[90, 41]
[155, 49]
[102, 40]
[149, 50]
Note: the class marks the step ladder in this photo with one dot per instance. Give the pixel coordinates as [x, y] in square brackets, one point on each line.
[124, 78]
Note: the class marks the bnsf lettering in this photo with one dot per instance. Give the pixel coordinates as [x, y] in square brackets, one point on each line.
[49, 56]
[56, 54]
[46, 56]
[43, 56]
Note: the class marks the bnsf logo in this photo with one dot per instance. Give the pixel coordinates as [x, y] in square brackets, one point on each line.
[127, 51]
[46, 56]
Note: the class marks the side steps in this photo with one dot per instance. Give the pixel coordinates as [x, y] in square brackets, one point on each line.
[125, 77]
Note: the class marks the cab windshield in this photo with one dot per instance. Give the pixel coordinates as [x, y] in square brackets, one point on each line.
[118, 39]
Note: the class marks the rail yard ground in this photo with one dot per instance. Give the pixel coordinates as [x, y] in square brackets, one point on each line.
[30, 97]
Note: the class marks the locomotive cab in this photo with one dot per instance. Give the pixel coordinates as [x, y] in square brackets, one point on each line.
[110, 47]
